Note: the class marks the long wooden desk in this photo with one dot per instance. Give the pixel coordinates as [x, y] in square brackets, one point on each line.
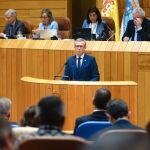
[117, 61]
[78, 96]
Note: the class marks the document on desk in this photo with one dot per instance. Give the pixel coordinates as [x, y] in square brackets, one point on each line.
[48, 33]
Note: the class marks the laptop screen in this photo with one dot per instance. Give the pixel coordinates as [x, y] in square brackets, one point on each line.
[84, 33]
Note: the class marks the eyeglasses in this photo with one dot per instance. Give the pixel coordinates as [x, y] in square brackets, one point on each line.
[79, 46]
[44, 17]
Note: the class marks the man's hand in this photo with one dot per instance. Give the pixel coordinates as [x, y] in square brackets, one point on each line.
[126, 39]
[2, 35]
[138, 22]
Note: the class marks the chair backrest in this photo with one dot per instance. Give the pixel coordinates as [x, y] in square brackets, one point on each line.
[89, 128]
[111, 25]
[124, 139]
[53, 143]
[64, 27]
[29, 27]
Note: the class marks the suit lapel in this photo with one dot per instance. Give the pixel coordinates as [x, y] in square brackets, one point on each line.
[84, 61]
[15, 26]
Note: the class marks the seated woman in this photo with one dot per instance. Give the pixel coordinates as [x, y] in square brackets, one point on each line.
[47, 22]
[94, 21]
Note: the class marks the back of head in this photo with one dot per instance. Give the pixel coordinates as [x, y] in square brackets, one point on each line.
[5, 105]
[11, 12]
[101, 98]
[50, 111]
[6, 134]
[117, 108]
[28, 117]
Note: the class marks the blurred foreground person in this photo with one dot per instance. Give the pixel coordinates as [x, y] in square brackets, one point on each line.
[7, 138]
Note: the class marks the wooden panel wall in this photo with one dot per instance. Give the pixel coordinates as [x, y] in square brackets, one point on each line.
[117, 61]
[30, 9]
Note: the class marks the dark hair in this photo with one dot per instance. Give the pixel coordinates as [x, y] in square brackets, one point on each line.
[51, 111]
[96, 11]
[148, 128]
[48, 12]
[28, 117]
[117, 108]
[5, 132]
[101, 98]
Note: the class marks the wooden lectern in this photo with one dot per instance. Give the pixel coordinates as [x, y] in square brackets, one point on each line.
[78, 95]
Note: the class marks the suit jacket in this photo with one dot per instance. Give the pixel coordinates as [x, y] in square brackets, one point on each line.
[87, 72]
[95, 116]
[119, 124]
[18, 26]
[144, 32]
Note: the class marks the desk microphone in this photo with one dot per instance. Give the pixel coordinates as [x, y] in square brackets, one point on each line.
[59, 71]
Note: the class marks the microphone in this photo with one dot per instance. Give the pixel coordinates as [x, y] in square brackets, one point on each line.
[59, 71]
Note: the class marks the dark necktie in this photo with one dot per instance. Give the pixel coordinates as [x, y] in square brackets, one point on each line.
[138, 36]
[79, 63]
[11, 30]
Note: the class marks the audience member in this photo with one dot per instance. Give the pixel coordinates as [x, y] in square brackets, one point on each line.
[102, 96]
[5, 106]
[13, 25]
[81, 67]
[148, 128]
[28, 123]
[7, 138]
[28, 117]
[47, 22]
[137, 29]
[98, 27]
[118, 114]
[50, 116]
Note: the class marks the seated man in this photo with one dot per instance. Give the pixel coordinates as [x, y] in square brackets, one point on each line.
[118, 114]
[137, 29]
[5, 106]
[81, 67]
[102, 96]
[13, 25]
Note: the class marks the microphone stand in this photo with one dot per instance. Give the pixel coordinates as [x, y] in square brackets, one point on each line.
[59, 71]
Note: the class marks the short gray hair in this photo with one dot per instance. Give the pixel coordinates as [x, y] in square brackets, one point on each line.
[5, 105]
[80, 40]
[139, 10]
[11, 12]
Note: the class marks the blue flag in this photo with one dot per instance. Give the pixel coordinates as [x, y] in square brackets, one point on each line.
[130, 5]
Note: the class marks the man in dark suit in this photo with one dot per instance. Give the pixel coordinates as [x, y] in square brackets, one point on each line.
[118, 114]
[13, 25]
[137, 29]
[81, 67]
[102, 96]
